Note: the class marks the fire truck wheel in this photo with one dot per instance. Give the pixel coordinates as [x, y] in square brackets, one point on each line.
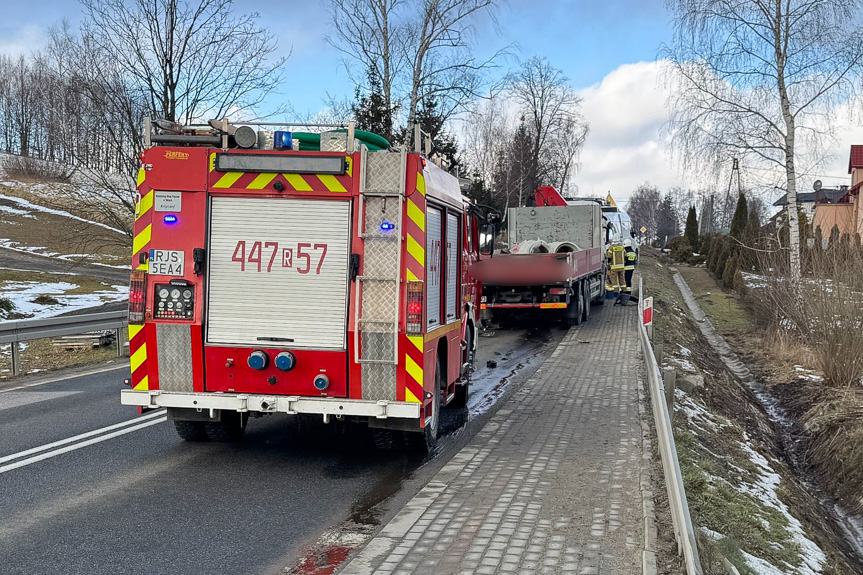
[230, 428]
[191, 430]
[427, 439]
[462, 391]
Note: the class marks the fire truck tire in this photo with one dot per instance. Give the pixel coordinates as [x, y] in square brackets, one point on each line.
[388, 439]
[425, 441]
[230, 428]
[462, 391]
[191, 430]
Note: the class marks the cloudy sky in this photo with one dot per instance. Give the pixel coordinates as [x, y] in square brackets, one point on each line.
[608, 50]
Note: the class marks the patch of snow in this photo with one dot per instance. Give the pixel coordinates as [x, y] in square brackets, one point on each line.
[685, 351]
[22, 294]
[15, 246]
[808, 374]
[16, 212]
[711, 534]
[43, 209]
[761, 566]
[765, 489]
[682, 363]
[696, 415]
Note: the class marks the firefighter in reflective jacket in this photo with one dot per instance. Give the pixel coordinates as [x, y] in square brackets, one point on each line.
[615, 256]
[631, 259]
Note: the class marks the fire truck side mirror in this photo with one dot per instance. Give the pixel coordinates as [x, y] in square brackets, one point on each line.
[198, 257]
[486, 242]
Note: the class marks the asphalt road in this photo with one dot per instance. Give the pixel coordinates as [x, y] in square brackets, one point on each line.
[18, 260]
[128, 496]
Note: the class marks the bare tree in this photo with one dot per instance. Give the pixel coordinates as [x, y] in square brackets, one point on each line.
[761, 79]
[417, 50]
[643, 208]
[487, 130]
[369, 33]
[440, 54]
[190, 60]
[563, 151]
[550, 108]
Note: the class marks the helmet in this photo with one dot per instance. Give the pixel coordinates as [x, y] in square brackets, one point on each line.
[627, 243]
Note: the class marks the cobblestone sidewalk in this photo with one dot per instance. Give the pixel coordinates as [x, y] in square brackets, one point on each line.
[551, 484]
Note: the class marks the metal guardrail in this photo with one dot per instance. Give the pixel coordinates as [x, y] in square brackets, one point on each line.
[683, 530]
[17, 331]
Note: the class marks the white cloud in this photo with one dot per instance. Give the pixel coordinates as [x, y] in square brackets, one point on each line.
[626, 111]
[22, 41]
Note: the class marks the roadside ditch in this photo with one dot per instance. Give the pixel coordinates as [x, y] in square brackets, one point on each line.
[751, 496]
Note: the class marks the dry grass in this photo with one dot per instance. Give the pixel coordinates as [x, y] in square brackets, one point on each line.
[50, 234]
[41, 356]
[725, 309]
[821, 310]
[28, 169]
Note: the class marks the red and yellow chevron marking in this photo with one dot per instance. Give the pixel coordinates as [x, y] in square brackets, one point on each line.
[415, 239]
[138, 358]
[140, 244]
[291, 182]
[143, 221]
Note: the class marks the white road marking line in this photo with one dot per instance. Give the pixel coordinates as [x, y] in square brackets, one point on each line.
[69, 448]
[47, 446]
[64, 378]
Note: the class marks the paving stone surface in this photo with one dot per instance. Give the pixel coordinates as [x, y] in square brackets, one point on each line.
[549, 485]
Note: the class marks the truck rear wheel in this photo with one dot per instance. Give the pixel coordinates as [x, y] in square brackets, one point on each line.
[575, 312]
[586, 290]
[231, 427]
[191, 430]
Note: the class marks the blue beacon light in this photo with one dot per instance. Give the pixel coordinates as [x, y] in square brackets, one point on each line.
[387, 227]
[171, 219]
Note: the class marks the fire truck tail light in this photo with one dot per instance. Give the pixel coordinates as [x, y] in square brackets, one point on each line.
[557, 291]
[137, 297]
[415, 307]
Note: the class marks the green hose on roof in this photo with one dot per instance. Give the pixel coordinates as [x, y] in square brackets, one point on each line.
[311, 142]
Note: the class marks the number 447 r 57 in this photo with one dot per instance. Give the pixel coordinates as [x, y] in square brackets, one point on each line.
[263, 256]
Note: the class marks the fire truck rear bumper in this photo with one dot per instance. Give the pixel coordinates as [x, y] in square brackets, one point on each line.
[272, 404]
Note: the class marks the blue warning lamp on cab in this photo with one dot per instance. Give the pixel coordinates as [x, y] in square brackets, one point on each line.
[283, 140]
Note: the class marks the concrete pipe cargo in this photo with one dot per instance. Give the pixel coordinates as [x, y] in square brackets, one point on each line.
[531, 247]
[562, 247]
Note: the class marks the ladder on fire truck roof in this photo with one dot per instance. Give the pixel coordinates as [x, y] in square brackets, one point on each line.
[381, 202]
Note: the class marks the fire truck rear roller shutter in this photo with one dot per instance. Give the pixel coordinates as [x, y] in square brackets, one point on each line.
[309, 308]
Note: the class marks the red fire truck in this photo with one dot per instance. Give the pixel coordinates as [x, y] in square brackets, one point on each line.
[278, 279]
